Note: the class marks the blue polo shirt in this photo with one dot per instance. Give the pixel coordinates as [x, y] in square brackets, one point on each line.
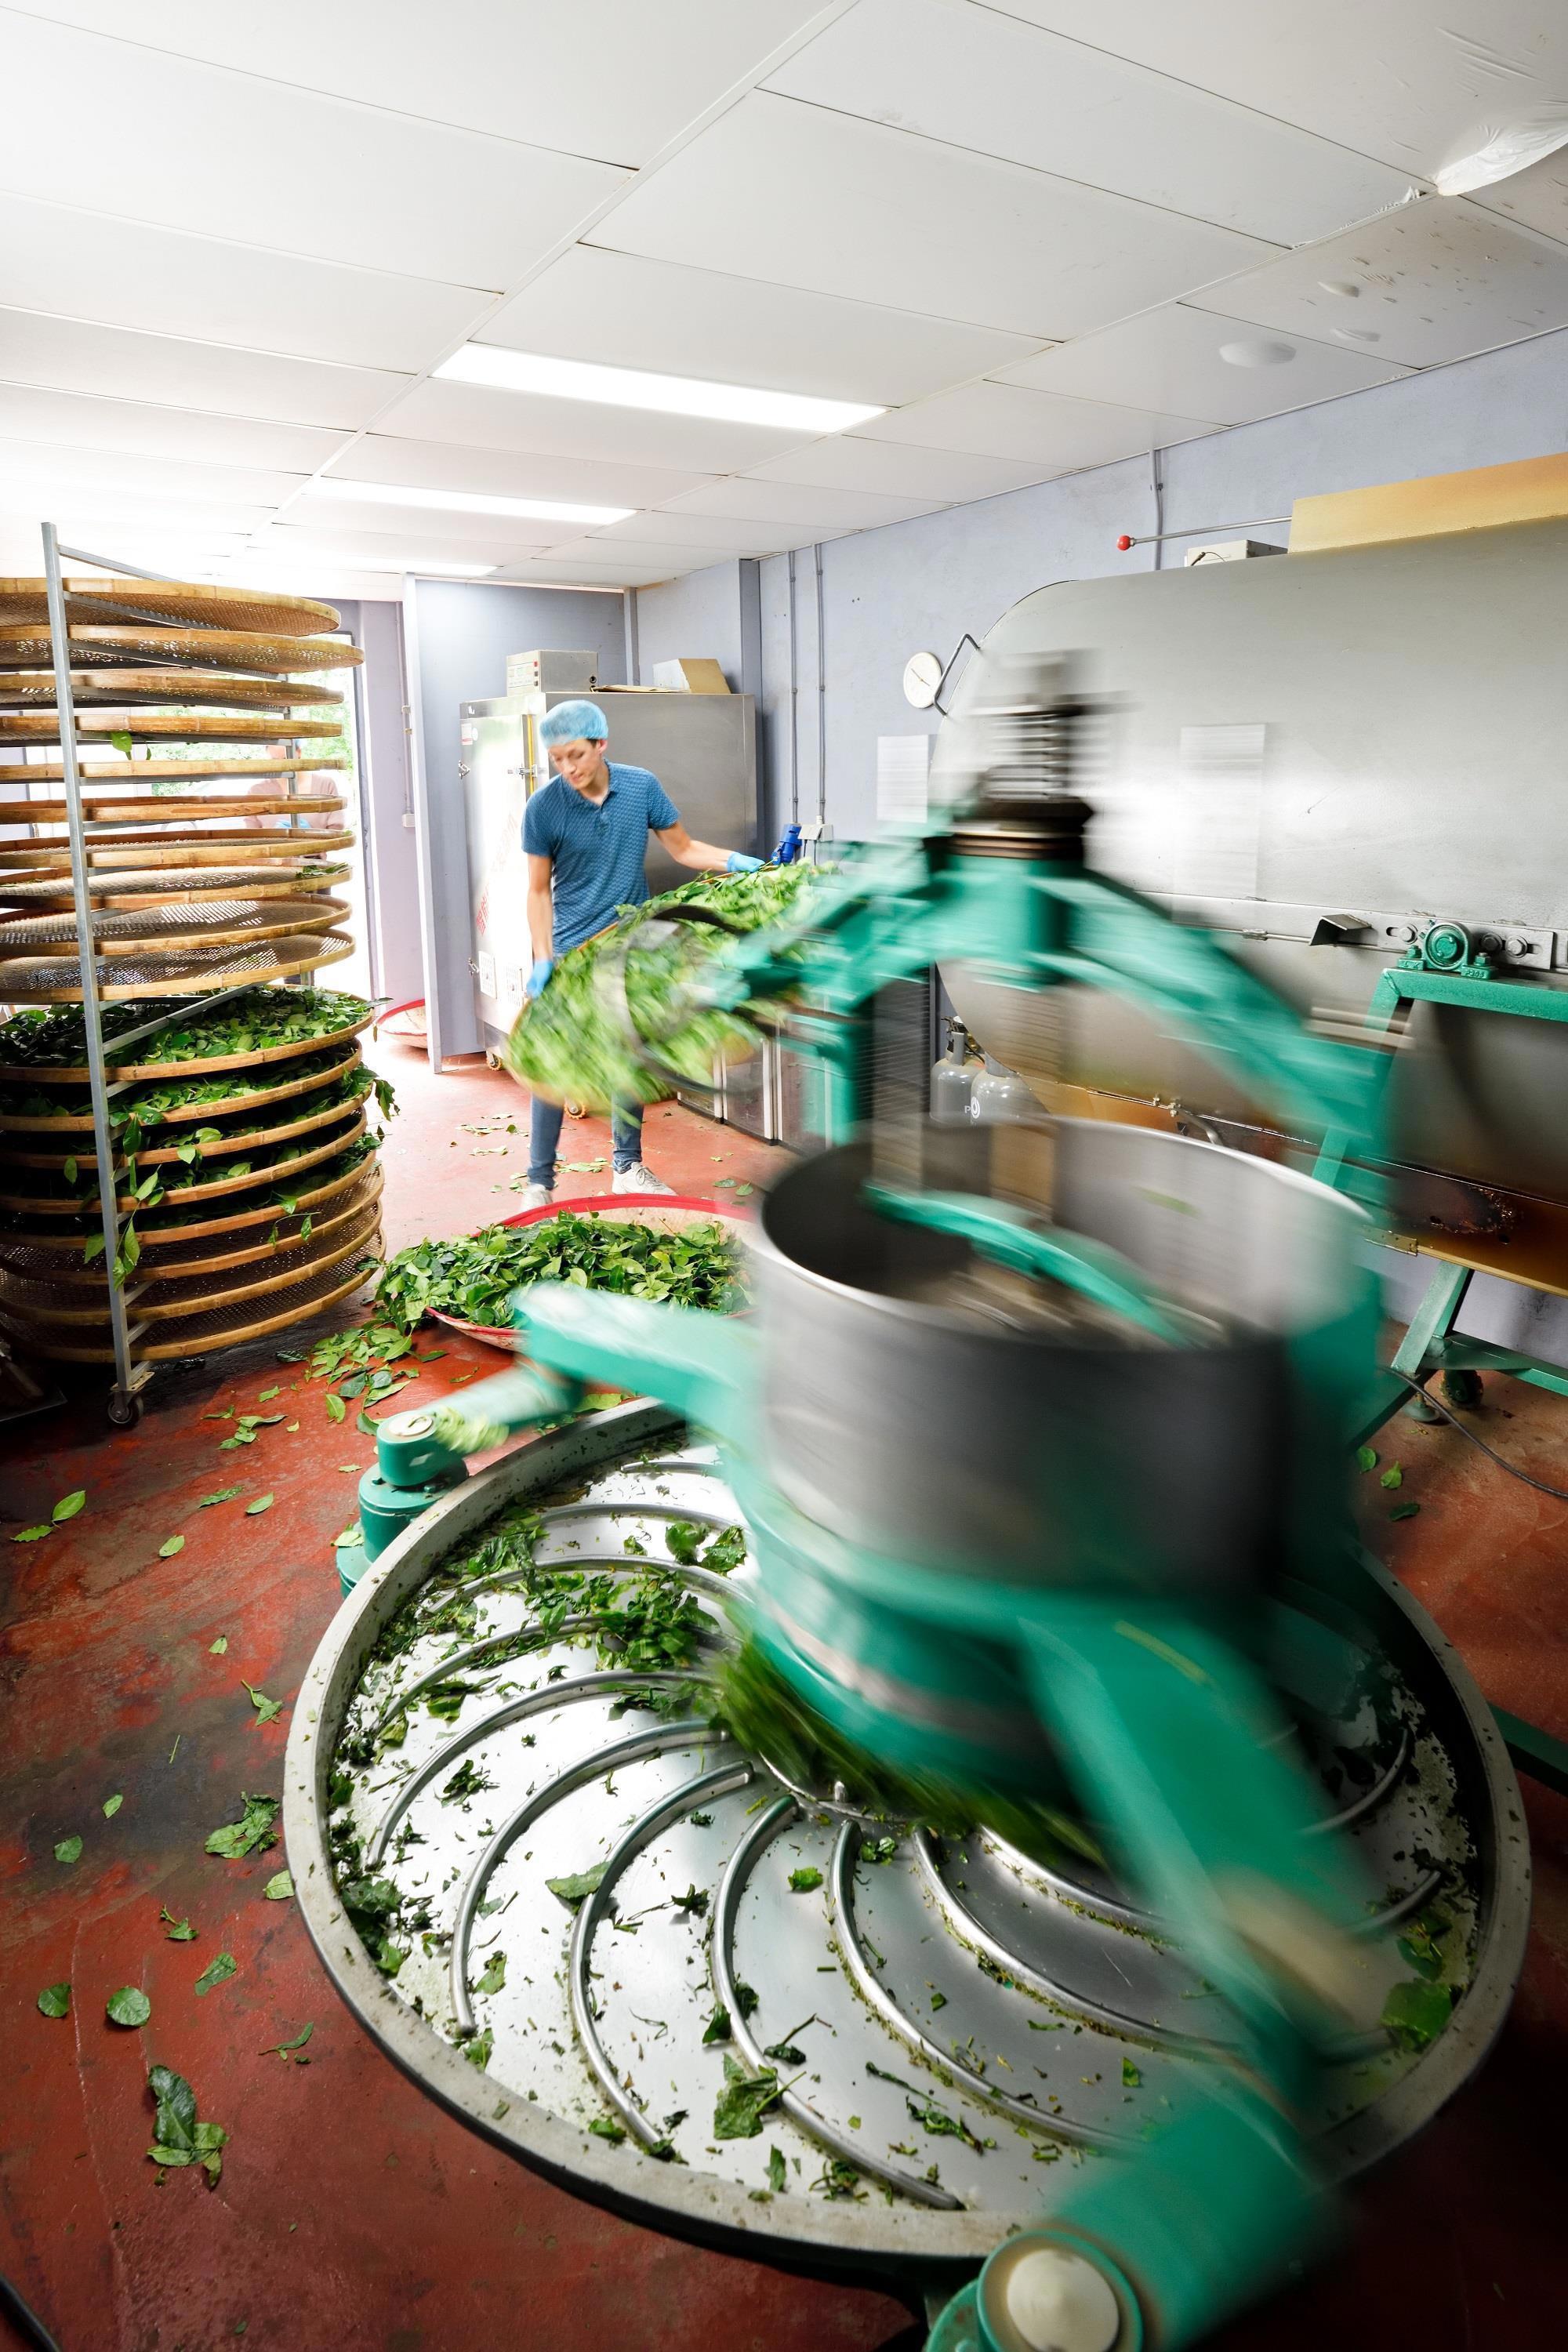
[596, 854]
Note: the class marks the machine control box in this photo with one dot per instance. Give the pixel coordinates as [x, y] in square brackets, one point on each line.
[551, 672]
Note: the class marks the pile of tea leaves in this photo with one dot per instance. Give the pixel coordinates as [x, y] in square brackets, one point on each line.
[568, 1043]
[473, 1278]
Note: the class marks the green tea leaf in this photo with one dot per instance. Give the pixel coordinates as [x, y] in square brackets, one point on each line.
[1366, 1457]
[267, 1709]
[252, 1832]
[477, 2048]
[1405, 1510]
[778, 2178]
[32, 1535]
[178, 2139]
[128, 2006]
[717, 2028]
[283, 2049]
[264, 1396]
[1393, 1476]
[262, 1502]
[224, 1495]
[1129, 2075]
[803, 1881]
[602, 2128]
[68, 1506]
[280, 1888]
[169, 1546]
[494, 1976]
[122, 739]
[1415, 2013]
[218, 1970]
[219, 1649]
[55, 2000]
[177, 1931]
[111, 1806]
[336, 1409]
[575, 1890]
[741, 2105]
[68, 1850]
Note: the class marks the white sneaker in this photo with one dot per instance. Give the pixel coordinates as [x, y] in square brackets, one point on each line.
[638, 1178]
[535, 1196]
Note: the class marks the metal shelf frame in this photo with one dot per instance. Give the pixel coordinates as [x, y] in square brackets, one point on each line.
[130, 1377]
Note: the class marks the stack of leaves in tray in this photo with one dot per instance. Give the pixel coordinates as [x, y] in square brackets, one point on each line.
[146, 1105]
[255, 1023]
[568, 1044]
[474, 1278]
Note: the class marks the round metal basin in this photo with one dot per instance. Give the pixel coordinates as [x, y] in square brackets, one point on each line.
[969, 2025]
[928, 1436]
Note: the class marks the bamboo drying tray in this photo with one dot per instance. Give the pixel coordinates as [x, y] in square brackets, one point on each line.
[187, 603]
[129, 930]
[238, 1216]
[225, 1326]
[27, 644]
[169, 808]
[163, 725]
[49, 1205]
[57, 980]
[58, 1264]
[118, 851]
[38, 690]
[168, 1298]
[50, 772]
[79, 1120]
[170, 886]
[189, 1066]
[297, 1119]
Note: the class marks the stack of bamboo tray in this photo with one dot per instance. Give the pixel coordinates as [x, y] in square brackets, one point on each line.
[245, 1166]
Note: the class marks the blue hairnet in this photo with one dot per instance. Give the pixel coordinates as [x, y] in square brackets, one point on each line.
[568, 721]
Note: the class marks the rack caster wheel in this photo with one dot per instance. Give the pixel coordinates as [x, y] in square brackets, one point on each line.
[124, 1412]
[1463, 1390]
[493, 1061]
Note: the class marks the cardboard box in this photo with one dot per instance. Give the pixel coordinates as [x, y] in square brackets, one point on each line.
[690, 676]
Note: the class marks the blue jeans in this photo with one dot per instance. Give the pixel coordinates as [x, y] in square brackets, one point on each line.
[625, 1134]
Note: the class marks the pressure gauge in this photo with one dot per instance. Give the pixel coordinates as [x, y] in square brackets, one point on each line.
[922, 676]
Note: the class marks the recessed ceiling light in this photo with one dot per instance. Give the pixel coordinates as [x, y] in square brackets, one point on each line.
[675, 395]
[394, 494]
[1255, 355]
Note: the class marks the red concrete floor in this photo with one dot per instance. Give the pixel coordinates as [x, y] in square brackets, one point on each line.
[353, 2215]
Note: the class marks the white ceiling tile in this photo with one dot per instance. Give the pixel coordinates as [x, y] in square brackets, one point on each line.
[846, 462]
[316, 510]
[72, 420]
[743, 496]
[579, 428]
[1536, 199]
[83, 265]
[1000, 86]
[800, 196]
[608, 78]
[377, 551]
[1415, 82]
[267, 166]
[1171, 357]
[74, 355]
[550, 574]
[627, 311]
[452, 465]
[1437, 281]
[645, 554]
[122, 474]
[1002, 420]
[724, 533]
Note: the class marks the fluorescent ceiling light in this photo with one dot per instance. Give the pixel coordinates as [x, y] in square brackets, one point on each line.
[678, 395]
[392, 494]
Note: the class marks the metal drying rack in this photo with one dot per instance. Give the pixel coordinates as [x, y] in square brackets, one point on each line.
[131, 1377]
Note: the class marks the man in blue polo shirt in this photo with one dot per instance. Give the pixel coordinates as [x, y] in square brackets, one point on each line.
[585, 834]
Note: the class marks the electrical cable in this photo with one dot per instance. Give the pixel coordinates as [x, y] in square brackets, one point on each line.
[25, 2320]
[1558, 1494]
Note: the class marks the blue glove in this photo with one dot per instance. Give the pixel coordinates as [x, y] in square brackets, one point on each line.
[542, 968]
[739, 863]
